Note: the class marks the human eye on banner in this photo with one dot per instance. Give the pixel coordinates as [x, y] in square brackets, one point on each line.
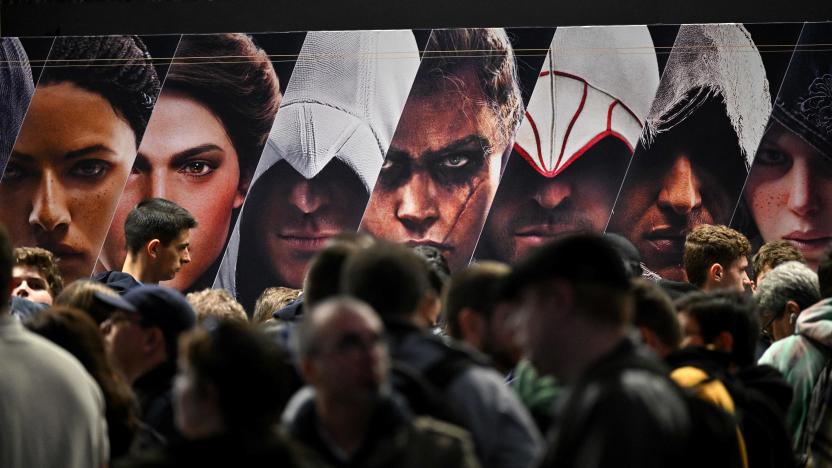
[322, 156]
[789, 189]
[701, 133]
[572, 149]
[204, 140]
[77, 142]
[454, 137]
[481, 143]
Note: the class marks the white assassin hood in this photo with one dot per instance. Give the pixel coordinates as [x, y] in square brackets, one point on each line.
[714, 60]
[342, 102]
[595, 82]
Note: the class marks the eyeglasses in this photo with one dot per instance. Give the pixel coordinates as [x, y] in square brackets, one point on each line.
[765, 333]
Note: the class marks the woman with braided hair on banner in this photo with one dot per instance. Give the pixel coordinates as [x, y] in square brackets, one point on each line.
[76, 146]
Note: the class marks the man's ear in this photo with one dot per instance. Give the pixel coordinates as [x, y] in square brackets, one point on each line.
[152, 248]
[724, 342]
[792, 310]
[429, 308]
[471, 325]
[154, 339]
[715, 272]
[307, 370]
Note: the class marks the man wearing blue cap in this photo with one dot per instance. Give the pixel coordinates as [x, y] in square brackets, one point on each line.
[142, 340]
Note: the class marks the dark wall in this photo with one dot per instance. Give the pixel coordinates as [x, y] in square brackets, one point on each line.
[144, 17]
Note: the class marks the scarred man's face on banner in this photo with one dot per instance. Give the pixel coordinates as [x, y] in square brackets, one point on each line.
[441, 172]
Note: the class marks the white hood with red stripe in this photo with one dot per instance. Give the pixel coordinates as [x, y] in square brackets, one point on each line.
[595, 82]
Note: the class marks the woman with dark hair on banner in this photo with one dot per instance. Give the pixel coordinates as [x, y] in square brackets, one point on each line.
[16, 88]
[789, 189]
[76, 146]
[322, 157]
[201, 146]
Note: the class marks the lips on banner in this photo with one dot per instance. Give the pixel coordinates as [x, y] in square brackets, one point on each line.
[700, 137]
[76, 145]
[572, 149]
[322, 156]
[789, 189]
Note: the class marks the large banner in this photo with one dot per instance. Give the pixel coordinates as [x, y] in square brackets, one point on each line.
[482, 143]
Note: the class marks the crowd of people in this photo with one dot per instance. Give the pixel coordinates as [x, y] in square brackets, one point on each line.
[575, 355]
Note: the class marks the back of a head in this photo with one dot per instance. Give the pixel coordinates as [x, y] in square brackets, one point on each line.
[825, 274]
[6, 264]
[273, 299]
[155, 218]
[725, 311]
[165, 308]
[437, 266]
[44, 262]
[391, 278]
[74, 331]
[475, 287]
[775, 253]
[629, 253]
[654, 310]
[323, 275]
[708, 244]
[591, 264]
[216, 303]
[80, 294]
[236, 358]
[790, 281]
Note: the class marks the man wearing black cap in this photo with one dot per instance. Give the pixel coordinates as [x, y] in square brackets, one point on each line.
[142, 338]
[576, 296]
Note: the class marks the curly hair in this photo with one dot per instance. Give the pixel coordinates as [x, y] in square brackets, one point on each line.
[234, 78]
[708, 244]
[46, 264]
[119, 68]
[217, 303]
[775, 253]
[487, 52]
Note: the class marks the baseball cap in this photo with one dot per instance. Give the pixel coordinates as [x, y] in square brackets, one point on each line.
[114, 301]
[580, 258]
[162, 307]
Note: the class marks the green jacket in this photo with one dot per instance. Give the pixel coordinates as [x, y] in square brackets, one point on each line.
[800, 358]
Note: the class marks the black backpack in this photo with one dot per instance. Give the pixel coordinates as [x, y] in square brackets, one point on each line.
[425, 391]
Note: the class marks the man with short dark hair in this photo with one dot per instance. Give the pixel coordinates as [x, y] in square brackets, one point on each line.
[576, 296]
[476, 317]
[716, 362]
[157, 232]
[53, 412]
[142, 339]
[655, 317]
[716, 257]
[35, 275]
[772, 254]
[393, 280]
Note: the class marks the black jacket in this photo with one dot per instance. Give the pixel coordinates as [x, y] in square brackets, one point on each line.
[119, 281]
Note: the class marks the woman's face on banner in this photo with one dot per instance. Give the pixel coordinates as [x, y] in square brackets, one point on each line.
[186, 157]
[68, 167]
[789, 192]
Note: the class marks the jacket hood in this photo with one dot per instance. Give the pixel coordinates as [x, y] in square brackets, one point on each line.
[595, 82]
[707, 61]
[343, 102]
[816, 323]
